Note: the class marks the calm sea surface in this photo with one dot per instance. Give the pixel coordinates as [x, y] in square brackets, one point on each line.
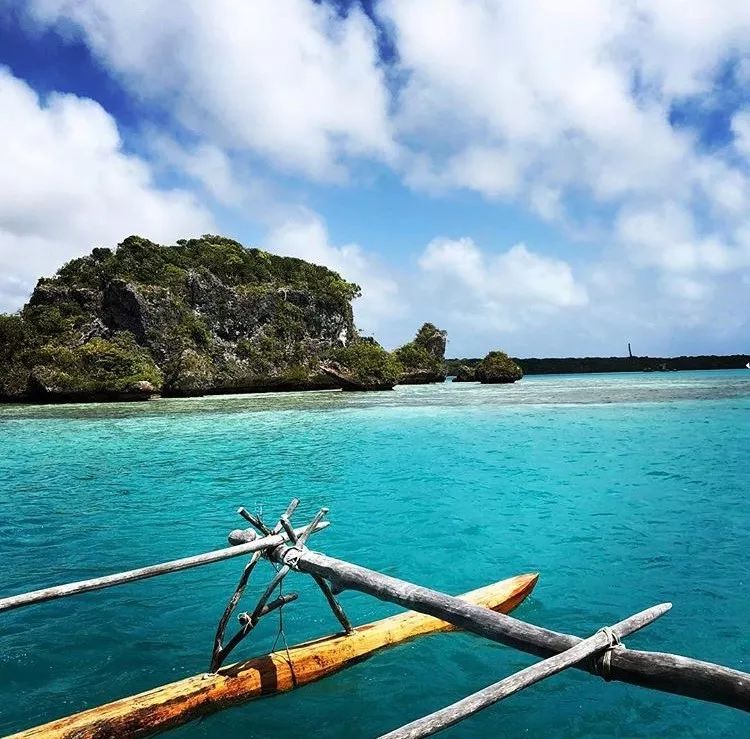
[621, 490]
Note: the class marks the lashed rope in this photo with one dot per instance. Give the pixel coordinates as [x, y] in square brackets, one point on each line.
[603, 664]
[291, 555]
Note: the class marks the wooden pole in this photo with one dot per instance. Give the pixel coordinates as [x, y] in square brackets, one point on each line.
[218, 653]
[602, 639]
[186, 563]
[666, 672]
[338, 611]
[319, 581]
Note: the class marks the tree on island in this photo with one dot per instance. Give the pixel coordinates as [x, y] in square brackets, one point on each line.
[423, 359]
[497, 367]
[362, 365]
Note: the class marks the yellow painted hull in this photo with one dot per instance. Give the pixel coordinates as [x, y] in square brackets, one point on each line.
[177, 703]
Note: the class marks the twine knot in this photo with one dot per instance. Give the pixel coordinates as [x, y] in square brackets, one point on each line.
[603, 665]
[292, 555]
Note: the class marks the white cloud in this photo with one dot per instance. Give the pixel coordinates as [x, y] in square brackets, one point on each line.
[66, 185]
[681, 44]
[204, 163]
[666, 235]
[545, 81]
[546, 202]
[550, 103]
[305, 236]
[486, 170]
[563, 107]
[573, 95]
[290, 80]
[504, 290]
[687, 289]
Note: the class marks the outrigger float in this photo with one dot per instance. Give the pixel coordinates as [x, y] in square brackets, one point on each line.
[483, 612]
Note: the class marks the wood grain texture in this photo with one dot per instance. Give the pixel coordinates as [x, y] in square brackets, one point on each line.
[142, 573]
[175, 704]
[471, 704]
[670, 673]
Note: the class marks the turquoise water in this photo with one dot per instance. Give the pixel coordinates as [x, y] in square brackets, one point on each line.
[622, 490]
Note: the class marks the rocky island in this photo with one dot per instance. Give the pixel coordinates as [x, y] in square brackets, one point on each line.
[495, 369]
[423, 360]
[203, 316]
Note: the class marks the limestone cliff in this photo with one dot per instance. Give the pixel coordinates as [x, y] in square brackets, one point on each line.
[201, 316]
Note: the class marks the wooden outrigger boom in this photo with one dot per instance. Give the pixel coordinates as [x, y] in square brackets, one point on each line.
[482, 612]
[669, 673]
[143, 573]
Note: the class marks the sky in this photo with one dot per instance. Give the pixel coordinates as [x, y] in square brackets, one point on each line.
[548, 178]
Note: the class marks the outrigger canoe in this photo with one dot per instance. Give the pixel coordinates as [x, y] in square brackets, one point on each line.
[177, 703]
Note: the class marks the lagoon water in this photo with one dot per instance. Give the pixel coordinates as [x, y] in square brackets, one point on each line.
[621, 490]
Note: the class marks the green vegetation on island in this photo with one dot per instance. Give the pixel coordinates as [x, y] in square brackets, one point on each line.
[202, 316]
[422, 359]
[362, 365]
[497, 367]
[463, 368]
[462, 373]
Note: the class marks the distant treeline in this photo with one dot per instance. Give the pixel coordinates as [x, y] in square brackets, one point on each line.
[570, 365]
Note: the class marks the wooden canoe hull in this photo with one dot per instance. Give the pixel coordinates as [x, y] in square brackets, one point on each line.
[177, 703]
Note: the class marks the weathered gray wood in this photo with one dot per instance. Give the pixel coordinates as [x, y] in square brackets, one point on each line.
[247, 624]
[302, 539]
[325, 588]
[338, 611]
[258, 523]
[241, 536]
[218, 653]
[268, 592]
[667, 672]
[221, 651]
[282, 600]
[460, 710]
[287, 514]
[254, 520]
[284, 521]
[186, 563]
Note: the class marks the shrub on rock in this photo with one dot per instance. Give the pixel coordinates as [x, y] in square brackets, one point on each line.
[497, 367]
[465, 374]
[363, 365]
[423, 358]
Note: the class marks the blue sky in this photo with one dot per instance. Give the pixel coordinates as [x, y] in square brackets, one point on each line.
[548, 178]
